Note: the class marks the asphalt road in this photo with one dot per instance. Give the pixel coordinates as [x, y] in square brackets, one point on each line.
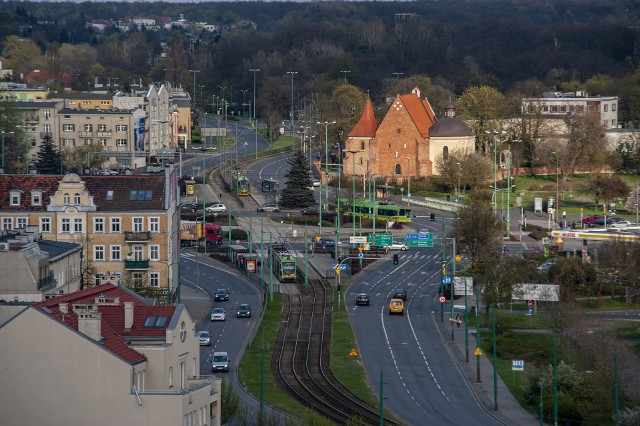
[421, 383]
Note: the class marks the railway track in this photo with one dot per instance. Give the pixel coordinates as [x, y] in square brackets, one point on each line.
[300, 362]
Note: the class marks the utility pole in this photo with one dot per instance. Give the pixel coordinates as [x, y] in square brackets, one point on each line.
[255, 123]
[291, 118]
[194, 71]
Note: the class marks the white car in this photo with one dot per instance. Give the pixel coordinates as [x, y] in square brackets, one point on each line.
[424, 231]
[218, 314]
[397, 246]
[216, 208]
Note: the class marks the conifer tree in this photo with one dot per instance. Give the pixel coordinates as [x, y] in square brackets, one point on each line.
[49, 159]
[297, 193]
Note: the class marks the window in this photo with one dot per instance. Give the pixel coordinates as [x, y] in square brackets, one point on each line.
[154, 279]
[361, 146]
[397, 154]
[580, 108]
[554, 108]
[398, 169]
[88, 141]
[613, 107]
[154, 224]
[102, 127]
[102, 142]
[14, 198]
[590, 107]
[116, 253]
[606, 107]
[121, 128]
[109, 195]
[138, 224]
[78, 225]
[98, 252]
[46, 128]
[155, 321]
[45, 224]
[66, 225]
[7, 223]
[88, 127]
[69, 142]
[66, 199]
[141, 195]
[21, 222]
[606, 123]
[563, 108]
[76, 199]
[46, 113]
[98, 224]
[445, 152]
[137, 253]
[115, 224]
[69, 127]
[154, 252]
[613, 123]
[121, 142]
[137, 279]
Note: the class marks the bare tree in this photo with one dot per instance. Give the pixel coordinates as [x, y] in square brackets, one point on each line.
[476, 230]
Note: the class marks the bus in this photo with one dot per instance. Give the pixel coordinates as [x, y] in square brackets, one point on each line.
[283, 262]
[378, 209]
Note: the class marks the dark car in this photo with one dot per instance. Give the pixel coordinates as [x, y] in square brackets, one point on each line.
[324, 243]
[362, 299]
[243, 311]
[399, 293]
[188, 208]
[221, 294]
[610, 221]
[310, 211]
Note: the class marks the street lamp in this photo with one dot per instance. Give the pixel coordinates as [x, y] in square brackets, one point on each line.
[509, 187]
[254, 71]
[26, 143]
[408, 181]
[291, 118]
[194, 71]
[353, 181]
[4, 133]
[326, 151]
[244, 93]
[557, 204]
[495, 134]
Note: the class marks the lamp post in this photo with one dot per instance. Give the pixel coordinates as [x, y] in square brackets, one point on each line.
[244, 93]
[509, 186]
[326, 152]
[408, 181]
[26, 143]
[291, 118]
[255, 123]
[4, 133]
[353, 181]
[345, 75]
[194, 71]
[495, 134]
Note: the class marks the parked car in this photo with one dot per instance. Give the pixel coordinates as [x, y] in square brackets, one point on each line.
[397, 246]
[220, 362]
[216, 208]
[218, 314]
[269, 207]
[205, 338]
[310, 211]
[188, 208]
[590, 219]
[622, 224]
[400, 293]
[221, 294]
[243, 311]
[362, 299]
[610, 221]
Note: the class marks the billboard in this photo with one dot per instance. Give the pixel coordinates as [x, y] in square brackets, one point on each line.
[543, 292]
[459, 286]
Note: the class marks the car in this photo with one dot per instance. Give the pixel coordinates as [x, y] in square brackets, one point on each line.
[400, 293]
[324, 243]
[216, 208]
[316, 183]
[610, 221]
[397, 246]
[221, 294]
[188, 208]
[546, 265]
[269, 207]
[424, 231]
[208, 148]
[218, 314]
[205, 338]
[396, 306]
[220, 362]
[243, 311]
[622, 224]
[362, 299]
[310, 211]
[591, 219]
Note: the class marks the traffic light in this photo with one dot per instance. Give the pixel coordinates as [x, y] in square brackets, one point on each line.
[339, 289]
[395, 259]
[444, 269]
[432, 217]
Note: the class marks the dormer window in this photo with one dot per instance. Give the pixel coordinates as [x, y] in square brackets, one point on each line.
[15, 198]
[76, 199]
[66, 199]
[36, 198]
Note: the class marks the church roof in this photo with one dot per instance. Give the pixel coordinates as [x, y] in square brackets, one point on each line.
[420, 112]
[450, 125]
[367, 125]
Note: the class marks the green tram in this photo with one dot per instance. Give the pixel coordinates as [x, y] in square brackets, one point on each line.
[378, 209]
[242, 185]
[283, 262]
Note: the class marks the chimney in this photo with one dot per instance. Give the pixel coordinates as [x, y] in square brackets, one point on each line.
[64, 307]
[89, 323]
[128, 315]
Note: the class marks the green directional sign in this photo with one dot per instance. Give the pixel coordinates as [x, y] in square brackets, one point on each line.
[418, 240]
[382, 240]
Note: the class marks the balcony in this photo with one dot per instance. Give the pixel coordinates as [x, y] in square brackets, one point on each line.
[104, 134]
[137, 237]
[136, 264]
[86, 134]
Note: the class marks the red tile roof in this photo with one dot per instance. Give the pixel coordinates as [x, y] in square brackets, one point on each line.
[420, 112]
[114, 335]
[27, 183]
[367, 125]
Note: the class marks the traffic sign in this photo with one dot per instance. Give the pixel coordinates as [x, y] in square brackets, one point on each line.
[442, 299]
[382, 240]
[353, 352]
[418, 240]
[343, 266]
[360, 249]
[478, 352]
[357, 239]
[360, 255]
[446, 280]
[530, 303]
[517, 365]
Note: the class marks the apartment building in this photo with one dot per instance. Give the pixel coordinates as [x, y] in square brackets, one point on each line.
[127, 225]
[34, 269]
[83, 100]
[561, 104]
[102, 356]
[39, 122]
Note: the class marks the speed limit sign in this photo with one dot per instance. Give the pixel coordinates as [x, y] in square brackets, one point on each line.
[442, 299]
[530, 303]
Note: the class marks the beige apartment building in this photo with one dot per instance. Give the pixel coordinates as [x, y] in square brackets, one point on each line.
[38, 122]
[101, 356]
[127, 225]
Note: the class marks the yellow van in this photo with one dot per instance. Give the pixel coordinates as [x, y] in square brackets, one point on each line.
[396, 306]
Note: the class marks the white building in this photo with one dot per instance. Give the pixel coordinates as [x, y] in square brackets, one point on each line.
[559, 104]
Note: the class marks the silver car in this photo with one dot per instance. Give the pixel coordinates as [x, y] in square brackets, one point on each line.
[218, 314]
[205, 338]
[269, 207]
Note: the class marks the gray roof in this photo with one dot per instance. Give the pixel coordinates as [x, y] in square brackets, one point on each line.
[58, 248]
[182, 102]
[88, 111]
[450, 127]
[37, 105]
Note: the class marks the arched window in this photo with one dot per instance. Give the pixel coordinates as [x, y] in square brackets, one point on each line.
[76, 199]
[445, 152]
[398, 169]
[66, 199]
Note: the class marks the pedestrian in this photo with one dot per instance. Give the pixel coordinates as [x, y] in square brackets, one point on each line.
[458, 319]
[220, 196]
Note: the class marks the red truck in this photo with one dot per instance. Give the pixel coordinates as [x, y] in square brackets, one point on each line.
[191, 233]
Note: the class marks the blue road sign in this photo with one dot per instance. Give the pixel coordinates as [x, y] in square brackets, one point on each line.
[343, 266]
[360, 255]
[419, 240]
[446, 280]
[530, 311]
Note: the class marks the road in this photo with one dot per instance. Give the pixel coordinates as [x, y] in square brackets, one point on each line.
[422, 384]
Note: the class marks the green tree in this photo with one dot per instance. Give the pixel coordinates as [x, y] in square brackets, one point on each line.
[462, 169]
[479, 105]
[229, 403]
[49, 160]
[477, 231]
[297, 193]
[22, 56]
[83, 156]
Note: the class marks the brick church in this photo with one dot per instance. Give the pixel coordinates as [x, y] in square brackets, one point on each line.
[406, 142]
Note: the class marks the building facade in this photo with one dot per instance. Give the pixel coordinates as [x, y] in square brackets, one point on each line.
[110, 359]
[559, 105]
[127, 225]
[38, 122]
